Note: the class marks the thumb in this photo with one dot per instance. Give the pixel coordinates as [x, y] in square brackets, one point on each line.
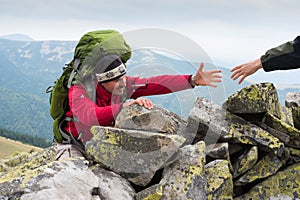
[200, 69]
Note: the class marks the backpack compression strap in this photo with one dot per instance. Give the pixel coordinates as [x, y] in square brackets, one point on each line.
[74, 72]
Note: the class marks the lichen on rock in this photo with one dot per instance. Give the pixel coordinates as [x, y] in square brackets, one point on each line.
[254, 99]
[284, 184]
[185, 178]
[245, 162]
[219, 180]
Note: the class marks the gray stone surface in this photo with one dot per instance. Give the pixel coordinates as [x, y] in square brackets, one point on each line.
[185, 178]
[156, 120]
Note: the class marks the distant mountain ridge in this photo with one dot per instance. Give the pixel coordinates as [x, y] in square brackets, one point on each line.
[17, 36]
[31, 66]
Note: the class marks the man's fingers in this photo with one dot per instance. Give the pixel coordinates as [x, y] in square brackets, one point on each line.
[236, 75]
[236, 68]
[146, 103]
[242, 79]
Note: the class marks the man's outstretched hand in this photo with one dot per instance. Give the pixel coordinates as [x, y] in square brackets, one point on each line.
[207, 78]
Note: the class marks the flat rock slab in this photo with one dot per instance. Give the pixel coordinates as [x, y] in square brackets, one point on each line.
[157, 120]
[132, 151]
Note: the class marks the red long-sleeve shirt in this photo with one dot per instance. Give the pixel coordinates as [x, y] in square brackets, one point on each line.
[107, 106]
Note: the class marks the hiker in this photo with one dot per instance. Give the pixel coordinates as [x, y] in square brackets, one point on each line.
[112, 84]
[283, 57]
[94, 88]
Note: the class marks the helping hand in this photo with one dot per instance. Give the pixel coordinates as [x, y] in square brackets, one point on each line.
[245, 70]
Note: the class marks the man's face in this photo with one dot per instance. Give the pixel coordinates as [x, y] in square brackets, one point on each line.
[117, 86]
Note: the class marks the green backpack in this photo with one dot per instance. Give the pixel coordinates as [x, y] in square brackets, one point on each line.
[90, 48]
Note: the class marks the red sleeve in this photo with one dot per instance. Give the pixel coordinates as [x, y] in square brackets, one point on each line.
[87, 111]
[156, 85]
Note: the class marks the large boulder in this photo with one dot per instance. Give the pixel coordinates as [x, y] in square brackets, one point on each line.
[211, 123]
[132, 151]
[41, 179]
[254, 100]
[134, 154]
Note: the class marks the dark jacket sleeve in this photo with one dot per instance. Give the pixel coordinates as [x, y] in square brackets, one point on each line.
[283, 57]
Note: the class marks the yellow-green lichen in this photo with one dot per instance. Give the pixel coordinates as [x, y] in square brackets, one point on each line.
[266, 167]
[254, 94]
[195, 170]
[154, 192]
[294, 152]
[32, 168]
[284, 183]
[250, 134]
[276, 123]
[14, 160]
[219, 179]
[155, 196]
[287, 116]
[245, 162]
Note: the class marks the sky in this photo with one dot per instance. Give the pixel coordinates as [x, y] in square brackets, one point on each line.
[230, 32]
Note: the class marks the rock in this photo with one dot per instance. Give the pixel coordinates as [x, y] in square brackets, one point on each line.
[14, 160]
[294, 154]
[185, 178]
[111, 186]
[154, 192]
[132, 152]
[255, 99]
[296, 117]
[206, 121]
[53, 180]
[219, 151]
[286, 115]
[292, 99]
[245, 162]
[283, 185]
[27, 159]
[219, 180]
[156, 120]
[15, 167]
[266, 167]
[67, 179]
[283, 137]
[279, 125]
[248, 133]
[212, 124]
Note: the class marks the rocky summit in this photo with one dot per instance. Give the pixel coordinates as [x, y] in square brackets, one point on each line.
[247, 148]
